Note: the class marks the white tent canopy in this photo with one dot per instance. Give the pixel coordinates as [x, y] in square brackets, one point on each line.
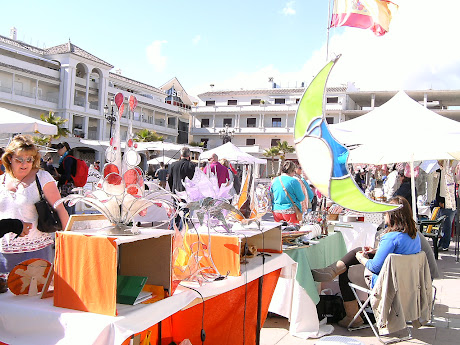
[143, 146]
[401, 130]
[164, 159]
[232, 153]
[13, 122]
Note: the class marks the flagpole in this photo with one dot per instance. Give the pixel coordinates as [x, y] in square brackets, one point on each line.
[328, 28]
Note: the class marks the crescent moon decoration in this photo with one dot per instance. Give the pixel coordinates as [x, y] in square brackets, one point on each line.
[322, 157]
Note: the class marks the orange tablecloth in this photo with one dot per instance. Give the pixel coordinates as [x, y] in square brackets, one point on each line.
[228, 318]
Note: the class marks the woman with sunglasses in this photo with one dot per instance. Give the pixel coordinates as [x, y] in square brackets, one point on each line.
[18, 195]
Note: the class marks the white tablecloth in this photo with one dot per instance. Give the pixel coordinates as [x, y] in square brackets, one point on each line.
[357, 234]
[31, 320]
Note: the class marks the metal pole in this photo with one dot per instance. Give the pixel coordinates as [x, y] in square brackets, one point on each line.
[328, 28]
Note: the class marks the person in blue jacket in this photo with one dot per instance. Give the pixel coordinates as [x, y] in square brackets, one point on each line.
[400, 237]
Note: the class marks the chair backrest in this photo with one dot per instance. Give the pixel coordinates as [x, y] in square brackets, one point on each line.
[434, 214]
[404, 283]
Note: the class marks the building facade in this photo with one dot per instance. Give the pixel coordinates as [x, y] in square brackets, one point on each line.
[256, 120]
[76, 85]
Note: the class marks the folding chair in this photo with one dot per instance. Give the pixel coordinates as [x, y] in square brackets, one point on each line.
[432, 229]
[389, 277]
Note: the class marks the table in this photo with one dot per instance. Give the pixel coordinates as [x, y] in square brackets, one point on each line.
[30, 320]
[296, 293]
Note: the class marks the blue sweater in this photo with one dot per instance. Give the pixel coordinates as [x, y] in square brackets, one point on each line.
[280, 200]
[392, 243]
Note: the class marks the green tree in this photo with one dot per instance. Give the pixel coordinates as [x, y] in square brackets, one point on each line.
[196, 143]
[272, 152]
[283, 148]
[59, 122]
[146, 135]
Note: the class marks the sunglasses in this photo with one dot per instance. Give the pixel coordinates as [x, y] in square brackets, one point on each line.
[21, 160]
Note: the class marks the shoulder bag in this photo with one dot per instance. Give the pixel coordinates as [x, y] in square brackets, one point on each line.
[48, 218]
[298, 213]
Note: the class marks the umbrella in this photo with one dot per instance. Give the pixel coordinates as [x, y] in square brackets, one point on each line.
[13, 122]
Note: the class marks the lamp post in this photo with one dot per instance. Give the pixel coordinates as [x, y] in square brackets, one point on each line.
[111, 118]
[226, 134]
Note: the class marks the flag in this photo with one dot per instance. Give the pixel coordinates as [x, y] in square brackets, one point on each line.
[364, 14]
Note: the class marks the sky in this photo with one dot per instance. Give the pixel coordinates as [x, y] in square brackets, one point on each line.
[241, 43]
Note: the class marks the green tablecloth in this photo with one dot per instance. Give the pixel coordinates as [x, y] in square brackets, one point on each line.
[327, 251]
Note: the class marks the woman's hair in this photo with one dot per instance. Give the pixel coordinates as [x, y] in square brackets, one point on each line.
[401, 219]
[20, 143]
[288, 167]
[224, 162]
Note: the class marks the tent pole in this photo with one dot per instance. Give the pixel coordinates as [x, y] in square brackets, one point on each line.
[412, 181]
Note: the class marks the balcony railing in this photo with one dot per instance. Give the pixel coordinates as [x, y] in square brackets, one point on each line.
[5, 89]
[24, 94]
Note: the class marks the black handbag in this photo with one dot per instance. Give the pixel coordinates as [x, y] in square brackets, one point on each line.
[48, 218]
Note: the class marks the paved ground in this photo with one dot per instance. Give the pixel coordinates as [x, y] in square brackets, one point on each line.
[445, 329]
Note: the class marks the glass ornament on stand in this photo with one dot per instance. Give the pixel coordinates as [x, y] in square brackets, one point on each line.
[120, 193]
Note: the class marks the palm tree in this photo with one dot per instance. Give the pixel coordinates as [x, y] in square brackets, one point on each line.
[59, 122]
[283, 148]
[146, 135]
[272, 152]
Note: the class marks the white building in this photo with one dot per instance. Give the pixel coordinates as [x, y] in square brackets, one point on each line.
[259, 119]
[76, 85]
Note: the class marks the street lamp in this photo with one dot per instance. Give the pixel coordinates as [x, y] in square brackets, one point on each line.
[111, 118]
[226, 134]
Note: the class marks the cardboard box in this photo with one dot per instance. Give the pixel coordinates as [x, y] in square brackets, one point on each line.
[226, 248]
[87, 264]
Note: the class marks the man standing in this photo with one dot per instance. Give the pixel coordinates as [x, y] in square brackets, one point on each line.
[179, 170]
[217, 169]
[392, 183]
[162, 175]
[67, 167]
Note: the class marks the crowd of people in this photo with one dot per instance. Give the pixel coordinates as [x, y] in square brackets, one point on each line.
[291, 194]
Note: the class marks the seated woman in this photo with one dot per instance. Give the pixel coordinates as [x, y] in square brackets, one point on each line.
[283, 189]
[400, 238]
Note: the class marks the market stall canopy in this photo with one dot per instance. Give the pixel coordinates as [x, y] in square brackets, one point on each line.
[401, 130]
[13, 122]
[143, 146]
[232, 153]
[164, 159]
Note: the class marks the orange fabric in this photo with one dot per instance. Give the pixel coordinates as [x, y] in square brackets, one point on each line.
[291, 218]
[223, 317]
[85, 273]
[225, 252]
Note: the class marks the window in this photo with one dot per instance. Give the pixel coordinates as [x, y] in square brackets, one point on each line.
[280, 101]
[204, 123]
[274, 142]
[228, 122]
[297, 100]
[251, 122]
[232, 102]
[210, 103]
[205, 142]
[250, 142]
[276, 122]
[330, 120]
[333, 100]
[255, 101]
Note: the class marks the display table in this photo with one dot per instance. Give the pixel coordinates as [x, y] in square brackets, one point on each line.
[296, 293]
[30, 320]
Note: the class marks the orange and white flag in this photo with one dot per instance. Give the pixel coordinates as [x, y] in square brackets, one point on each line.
[365, 14]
